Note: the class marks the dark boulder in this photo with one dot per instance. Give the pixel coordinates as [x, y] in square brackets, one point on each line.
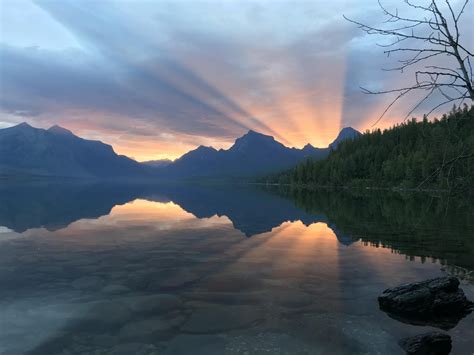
[437, 302]
[433, 343]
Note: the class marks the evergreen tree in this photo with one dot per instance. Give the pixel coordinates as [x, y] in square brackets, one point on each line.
[415, 154]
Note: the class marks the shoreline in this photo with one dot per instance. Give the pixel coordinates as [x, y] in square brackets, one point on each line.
[332, 187]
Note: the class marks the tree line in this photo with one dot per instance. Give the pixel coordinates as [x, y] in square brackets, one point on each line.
[436, 154]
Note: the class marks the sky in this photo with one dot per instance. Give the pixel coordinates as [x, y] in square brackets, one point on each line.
[158, 78]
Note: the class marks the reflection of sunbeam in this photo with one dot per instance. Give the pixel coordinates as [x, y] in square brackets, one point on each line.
[293, 245]
[382, 261]
[287, 258]
[260, 244]
[304, 239]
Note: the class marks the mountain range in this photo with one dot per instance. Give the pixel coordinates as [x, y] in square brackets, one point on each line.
[25, 150]
[58, 152]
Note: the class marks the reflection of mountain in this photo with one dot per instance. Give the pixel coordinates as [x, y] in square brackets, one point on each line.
[411, 225]
[51, 206]
[251, 211]
[55, 205]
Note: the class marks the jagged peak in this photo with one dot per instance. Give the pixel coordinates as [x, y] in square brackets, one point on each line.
[200, 151]
[23, 125]
[344, 134]
[252, 137]
[348, 132]
[60, 130]
[204, 148]
[252, 133]
[349, 129]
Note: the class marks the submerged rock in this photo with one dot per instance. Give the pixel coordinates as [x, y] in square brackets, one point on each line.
[115, 289]
[134, 348]
[153, 328]
[437, 302]
[433, 343]
[215, 319]
[88, 283]
[153, 304]
[196, 345]
[103, 315]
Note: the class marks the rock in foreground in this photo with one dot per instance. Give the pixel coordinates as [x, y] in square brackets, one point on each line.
[437, 302]
[433, 343]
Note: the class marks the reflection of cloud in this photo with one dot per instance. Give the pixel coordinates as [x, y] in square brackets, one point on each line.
[204, 73]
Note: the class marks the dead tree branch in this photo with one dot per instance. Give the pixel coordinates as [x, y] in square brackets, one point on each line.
[432, 34]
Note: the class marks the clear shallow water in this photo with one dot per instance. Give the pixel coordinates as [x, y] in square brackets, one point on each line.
[224, 270]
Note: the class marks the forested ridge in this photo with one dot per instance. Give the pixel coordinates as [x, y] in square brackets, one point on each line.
[426, 154]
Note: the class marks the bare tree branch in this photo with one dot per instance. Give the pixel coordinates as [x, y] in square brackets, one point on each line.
[433, 33]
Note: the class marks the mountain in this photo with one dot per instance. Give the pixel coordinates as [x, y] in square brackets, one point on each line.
[252, 154]
[157, 163]
[429, 154]
[345, 134]
[58, 152]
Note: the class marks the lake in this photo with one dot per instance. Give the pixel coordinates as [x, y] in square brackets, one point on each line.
[195, 269]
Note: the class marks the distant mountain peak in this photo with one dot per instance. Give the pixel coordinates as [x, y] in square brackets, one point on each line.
[23, 125]
[254, 134]
[349, 130]
[58, 152]
[60, 130]
[344, 134]
[309, 149]
[253, 140]
[157, 163]
[203, 148]
[22, 128]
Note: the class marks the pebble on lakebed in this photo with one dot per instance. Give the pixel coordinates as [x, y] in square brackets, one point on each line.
[434, 343]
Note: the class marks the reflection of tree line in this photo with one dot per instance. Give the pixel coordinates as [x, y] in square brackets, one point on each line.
[411, 224]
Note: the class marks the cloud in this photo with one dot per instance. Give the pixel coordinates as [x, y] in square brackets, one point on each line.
[201, 72]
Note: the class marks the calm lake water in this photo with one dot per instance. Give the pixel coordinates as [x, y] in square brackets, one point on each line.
[169, 269]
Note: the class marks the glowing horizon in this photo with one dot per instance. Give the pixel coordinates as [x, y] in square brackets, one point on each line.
[157, 80]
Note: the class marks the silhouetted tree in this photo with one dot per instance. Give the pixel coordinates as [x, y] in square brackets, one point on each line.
[436, 154]
[429, 35]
